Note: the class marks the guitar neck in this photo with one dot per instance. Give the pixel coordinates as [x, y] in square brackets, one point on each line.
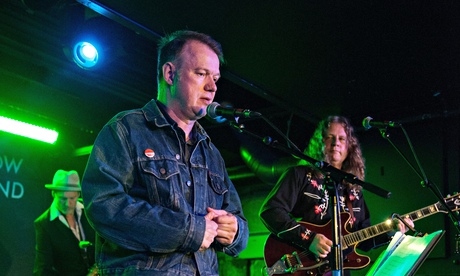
[373, 231]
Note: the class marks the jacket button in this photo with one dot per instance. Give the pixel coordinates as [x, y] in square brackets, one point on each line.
[177, 156]
[162, 171]
[189, 183]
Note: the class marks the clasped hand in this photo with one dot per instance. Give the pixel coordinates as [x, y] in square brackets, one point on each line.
[220, 225]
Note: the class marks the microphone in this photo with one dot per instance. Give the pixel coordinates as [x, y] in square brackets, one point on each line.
[368, 123]
[215, 110]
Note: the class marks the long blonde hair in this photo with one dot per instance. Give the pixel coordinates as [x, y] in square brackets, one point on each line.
[354, 163]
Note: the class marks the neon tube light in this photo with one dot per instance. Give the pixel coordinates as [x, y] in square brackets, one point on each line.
[28, 130]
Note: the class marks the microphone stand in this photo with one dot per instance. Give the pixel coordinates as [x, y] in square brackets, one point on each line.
[335, 176]
[337, 251]
[425, 182]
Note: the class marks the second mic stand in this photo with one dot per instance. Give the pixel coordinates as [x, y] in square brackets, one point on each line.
[424, 180]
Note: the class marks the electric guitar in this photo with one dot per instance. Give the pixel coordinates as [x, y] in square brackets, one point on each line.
[282, 257]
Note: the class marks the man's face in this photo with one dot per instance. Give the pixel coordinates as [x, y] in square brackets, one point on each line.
[336, 145]
[66, 201]
[197, 72]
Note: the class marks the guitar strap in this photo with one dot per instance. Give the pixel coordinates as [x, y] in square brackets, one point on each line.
[350, 209]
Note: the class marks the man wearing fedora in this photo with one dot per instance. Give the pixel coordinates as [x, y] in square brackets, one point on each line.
[64, 237]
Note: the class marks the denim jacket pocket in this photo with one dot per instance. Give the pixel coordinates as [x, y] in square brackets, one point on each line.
[162, 180]
[219, 188]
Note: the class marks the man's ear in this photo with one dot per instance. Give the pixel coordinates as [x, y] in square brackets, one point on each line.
[169, 71]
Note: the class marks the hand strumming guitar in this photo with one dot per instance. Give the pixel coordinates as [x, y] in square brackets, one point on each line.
[321, 245]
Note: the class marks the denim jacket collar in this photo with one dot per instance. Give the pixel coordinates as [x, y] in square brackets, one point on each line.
[154, 112]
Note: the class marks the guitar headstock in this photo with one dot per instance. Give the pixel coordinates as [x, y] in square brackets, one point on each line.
[453, 202]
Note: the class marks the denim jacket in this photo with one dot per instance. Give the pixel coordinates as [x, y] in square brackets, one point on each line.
[147, 204]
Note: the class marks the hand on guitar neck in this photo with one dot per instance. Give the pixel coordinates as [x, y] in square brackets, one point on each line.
[401, 226]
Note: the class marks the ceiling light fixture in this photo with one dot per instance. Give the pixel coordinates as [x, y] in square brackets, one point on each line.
[95, 43]
[85, 54]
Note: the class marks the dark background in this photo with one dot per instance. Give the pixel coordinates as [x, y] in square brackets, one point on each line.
[293, 61]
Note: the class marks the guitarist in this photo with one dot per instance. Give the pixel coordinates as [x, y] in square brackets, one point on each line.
[301, 193]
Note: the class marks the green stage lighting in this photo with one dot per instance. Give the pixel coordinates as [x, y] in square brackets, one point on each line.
[28, 130]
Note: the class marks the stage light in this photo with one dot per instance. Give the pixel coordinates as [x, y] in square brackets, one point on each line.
[95, 43]
[28, 130]
[85, 54]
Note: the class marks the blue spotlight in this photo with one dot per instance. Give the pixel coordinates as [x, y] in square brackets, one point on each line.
[95, 43]
[85, 54]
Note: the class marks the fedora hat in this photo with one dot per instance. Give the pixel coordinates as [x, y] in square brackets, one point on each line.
[65, 181]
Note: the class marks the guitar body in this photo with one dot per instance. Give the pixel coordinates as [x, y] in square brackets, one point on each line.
[280, 255]
[284, 258]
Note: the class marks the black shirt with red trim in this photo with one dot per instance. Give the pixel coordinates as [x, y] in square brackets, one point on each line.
[303, 194]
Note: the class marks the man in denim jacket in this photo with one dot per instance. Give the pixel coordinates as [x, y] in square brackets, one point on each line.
[155, 188]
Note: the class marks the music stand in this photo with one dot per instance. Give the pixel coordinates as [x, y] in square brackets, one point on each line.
[405, 254]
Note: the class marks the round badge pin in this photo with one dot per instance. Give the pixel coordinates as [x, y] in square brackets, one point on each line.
[149, 153]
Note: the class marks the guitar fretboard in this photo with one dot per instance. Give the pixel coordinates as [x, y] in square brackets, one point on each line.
[373, 231]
